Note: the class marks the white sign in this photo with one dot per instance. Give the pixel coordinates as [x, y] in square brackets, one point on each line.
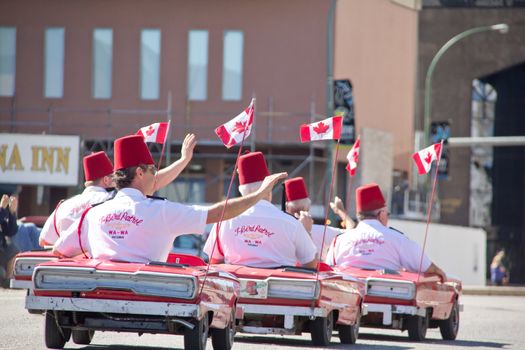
[39, 159]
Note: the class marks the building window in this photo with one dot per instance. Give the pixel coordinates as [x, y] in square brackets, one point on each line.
[197, 65]
[232, 65]
[102, 62]
[54, 63]
[149, 64]
[7, 61]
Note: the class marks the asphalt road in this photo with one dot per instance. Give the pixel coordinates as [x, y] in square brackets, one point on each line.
[488, 322]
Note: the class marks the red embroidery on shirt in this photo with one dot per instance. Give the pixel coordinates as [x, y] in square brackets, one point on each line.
[121, 216]
[253, 228]
[79, 209]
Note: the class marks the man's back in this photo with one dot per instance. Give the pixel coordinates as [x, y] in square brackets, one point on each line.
[132, 227]
[372, 245]
[262, 236]
[70, 210]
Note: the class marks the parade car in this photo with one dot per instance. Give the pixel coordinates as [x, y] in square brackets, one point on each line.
[399, 300]
[292, 300]
[180, 296]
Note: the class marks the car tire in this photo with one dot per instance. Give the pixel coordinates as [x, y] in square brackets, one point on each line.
[55, 336]
[449, 328]
[321, 330]
[196, 338]
[417, 327]
[222, 339]
[82, 337]
[348, 334]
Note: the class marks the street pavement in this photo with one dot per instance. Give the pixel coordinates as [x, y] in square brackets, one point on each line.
[487, 322]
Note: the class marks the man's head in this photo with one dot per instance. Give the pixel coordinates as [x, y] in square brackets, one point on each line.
[134, 165]
[98, 170]
[296, 196]
[370, 203]
[252, 171]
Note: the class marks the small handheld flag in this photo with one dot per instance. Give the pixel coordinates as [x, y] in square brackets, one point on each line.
[353, 157]
[327, 129]
[156, 132]
[425, 157]
[237, 129]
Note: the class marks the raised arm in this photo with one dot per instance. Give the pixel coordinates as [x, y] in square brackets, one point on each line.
[237, 206]
[166, 175]
[339, 209]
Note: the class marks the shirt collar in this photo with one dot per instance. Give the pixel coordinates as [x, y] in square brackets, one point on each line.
[130, 192]
[94, 189]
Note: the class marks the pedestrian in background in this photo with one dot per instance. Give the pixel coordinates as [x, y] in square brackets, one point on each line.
[498, 271]
[8, 228]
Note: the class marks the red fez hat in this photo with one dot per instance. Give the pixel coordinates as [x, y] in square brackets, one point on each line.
[368, 198]
[295, 189]
[97, 165]
[252, 168]
[130, 151]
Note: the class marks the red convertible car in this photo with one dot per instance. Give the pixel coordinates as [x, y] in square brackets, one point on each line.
[396, 299]
[81, 296]
[292, 300]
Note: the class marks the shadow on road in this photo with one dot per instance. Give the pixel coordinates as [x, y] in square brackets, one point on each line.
[304, 343]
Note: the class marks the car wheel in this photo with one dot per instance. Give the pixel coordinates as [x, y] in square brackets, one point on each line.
[82, 337]
[196, 338]
[321, 330]
[449, 328]
[348, 334]
[417, 327]
[55, 336]
[222, 339]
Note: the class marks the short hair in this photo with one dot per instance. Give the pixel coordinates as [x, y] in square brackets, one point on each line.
[246, 189]
[369, 214]
[299, 204]
[124, 177]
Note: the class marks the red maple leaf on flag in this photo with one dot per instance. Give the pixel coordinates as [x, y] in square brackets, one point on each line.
[355, 157]
[321, 128]
[428, 158]
[239, 127]
[150, 131]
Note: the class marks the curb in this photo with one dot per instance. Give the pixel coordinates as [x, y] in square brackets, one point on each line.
[494, 290]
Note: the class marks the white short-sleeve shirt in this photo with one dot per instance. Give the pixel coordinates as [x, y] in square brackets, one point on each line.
[262, 236]
[132, 227]
[317, 236]
[70, 210]
[372, 245]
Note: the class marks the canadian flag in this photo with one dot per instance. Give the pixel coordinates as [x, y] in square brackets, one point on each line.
[238, 128]
[353, 157]
[425, 157]
[327, 129]
[155, 132]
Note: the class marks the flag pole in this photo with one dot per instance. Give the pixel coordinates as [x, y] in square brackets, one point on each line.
[218, 225]
[164, 145]
[429, 210]
[334, 164]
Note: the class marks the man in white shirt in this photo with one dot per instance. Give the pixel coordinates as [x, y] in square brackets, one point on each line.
[372, 244]
[133, 227]
[98, 171]
[262, 236]
[297, 201]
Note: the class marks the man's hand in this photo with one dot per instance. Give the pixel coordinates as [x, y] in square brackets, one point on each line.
[4, 202]
[338, 207]
[270, 181]
[188, 145]
[306, 219]
[13, 204]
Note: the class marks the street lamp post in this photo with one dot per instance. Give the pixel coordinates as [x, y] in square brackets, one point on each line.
[501, 28]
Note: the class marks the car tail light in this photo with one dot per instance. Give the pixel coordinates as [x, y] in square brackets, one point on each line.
[293, 289]
[390, 288]
[89, 279]
[26, 266]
